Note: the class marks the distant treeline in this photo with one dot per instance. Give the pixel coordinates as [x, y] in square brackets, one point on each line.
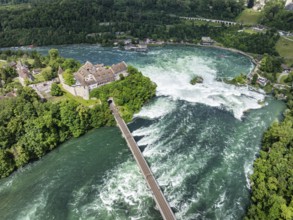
[66, 22]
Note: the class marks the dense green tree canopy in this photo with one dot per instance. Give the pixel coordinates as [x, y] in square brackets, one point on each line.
[275, 15]
[272, 180]
[129, 93]
[56, 90]
[6, 75]
[30, 128]
[68, 77]
[59, 22]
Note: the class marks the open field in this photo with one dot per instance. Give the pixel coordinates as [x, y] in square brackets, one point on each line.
[248, 17]
[288, 38]
[283, 78]
[285, 49]
[250, 31]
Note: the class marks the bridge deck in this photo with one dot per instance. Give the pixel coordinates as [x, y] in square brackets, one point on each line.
[161, 202]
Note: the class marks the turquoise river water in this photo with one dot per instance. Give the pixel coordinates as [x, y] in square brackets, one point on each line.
[200, 142]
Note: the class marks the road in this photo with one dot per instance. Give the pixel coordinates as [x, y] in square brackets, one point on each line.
[281, 75]
[287, 38]
[160, 200]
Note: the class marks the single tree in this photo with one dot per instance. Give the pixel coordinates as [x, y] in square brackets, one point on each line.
[56, 90]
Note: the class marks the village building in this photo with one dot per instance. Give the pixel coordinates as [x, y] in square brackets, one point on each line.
[36, 71]
[90, 76]
[206, 41]
[262, 81]
[285, 68]
[12, 64]
[289, 5]
[137, 47]
[23, 73]
[259, 4]
[43, 89]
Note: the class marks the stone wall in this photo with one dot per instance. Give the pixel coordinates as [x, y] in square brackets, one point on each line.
[82, 91]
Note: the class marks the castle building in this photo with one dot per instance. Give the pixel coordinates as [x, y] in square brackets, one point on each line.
[90, 76]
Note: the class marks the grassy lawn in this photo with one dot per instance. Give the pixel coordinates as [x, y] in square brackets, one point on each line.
[250, 31]
[40, 77]
[81, 100]
[248, 17]
[68, 96]
[289, 37]
[282, 80]
[285, 49]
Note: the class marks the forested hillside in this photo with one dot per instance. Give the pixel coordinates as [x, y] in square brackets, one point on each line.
[59, 22]
[275, 15]
[272, 180]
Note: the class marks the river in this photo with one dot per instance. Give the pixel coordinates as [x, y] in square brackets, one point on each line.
[200, 142]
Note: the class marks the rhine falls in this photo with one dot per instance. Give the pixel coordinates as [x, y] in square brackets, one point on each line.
[199, 140]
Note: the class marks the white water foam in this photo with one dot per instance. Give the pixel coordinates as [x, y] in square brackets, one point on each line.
[176, 169]
[122, 186]
[31, 211]
[159, 108]
[248, 170]
[173, 80]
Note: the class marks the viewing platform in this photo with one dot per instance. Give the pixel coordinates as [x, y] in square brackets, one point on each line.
[158, 196]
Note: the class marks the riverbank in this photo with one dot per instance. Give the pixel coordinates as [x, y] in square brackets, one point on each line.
[210, 46]
[253, 60]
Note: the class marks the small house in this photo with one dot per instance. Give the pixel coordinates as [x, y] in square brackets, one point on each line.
[206, 41]
[12, 64]
[23, 73]
[289, 7]
[262, 81]
[285, 68]
[36, 71]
